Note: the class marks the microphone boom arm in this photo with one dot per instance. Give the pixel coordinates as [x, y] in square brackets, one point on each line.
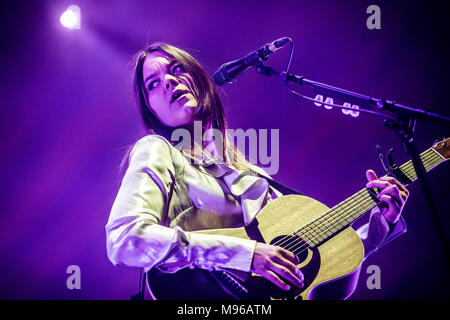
[361, 100]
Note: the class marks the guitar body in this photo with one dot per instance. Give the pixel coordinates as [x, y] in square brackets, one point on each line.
[331, 269]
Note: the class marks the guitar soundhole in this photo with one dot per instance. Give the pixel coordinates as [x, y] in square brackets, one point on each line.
[299, 247]
[294, 244]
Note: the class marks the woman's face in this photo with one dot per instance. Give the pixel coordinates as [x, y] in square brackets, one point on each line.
[170, 93]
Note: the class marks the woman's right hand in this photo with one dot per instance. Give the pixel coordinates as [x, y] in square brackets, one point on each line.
[277, 265]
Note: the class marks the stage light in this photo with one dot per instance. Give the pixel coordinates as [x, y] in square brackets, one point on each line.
[71, 18]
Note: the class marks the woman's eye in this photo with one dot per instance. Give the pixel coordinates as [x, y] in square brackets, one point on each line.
[152, 85]
[178, 69]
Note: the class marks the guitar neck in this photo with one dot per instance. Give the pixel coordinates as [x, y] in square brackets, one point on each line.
[345, 213]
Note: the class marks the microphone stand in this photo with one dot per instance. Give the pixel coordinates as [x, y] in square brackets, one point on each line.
[402, 124]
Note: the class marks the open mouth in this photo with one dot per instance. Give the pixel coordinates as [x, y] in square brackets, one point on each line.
[176, 95]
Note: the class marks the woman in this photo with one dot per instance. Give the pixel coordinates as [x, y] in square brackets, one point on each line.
[166, 193]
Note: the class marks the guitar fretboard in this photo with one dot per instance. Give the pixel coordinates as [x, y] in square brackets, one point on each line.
[345, 213]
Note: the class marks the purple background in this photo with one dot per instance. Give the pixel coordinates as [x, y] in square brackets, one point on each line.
[67, 115]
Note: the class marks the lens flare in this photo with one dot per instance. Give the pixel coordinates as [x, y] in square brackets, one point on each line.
[71, 18]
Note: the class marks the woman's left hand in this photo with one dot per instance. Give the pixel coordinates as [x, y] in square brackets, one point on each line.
[393, 195]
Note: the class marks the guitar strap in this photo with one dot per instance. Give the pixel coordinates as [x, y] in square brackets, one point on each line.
[167, 197]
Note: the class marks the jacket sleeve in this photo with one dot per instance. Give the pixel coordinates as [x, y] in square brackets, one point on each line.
[134, 236]
[378, 232]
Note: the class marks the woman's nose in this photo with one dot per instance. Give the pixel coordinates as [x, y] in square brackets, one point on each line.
[170, 80]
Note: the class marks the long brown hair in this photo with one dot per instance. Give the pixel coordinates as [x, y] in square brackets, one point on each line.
[211, 113]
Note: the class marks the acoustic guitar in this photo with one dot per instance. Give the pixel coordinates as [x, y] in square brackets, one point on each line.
[329, 249]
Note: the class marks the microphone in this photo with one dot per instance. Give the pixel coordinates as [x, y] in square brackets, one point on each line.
[229, 72]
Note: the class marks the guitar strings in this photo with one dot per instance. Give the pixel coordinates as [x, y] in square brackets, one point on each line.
[311, 234]
[332, 222]
[362, 198]
[430, 158]
[330, 218]
[407, 170]
[426, 156]
[305, 245]
[326, 231]
[307, 232]
[314, 235]
[434, 156]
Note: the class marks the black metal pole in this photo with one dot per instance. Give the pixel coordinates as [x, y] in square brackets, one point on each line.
[440, 219]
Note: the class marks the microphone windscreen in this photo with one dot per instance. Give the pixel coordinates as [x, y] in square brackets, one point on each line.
[218, 77]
